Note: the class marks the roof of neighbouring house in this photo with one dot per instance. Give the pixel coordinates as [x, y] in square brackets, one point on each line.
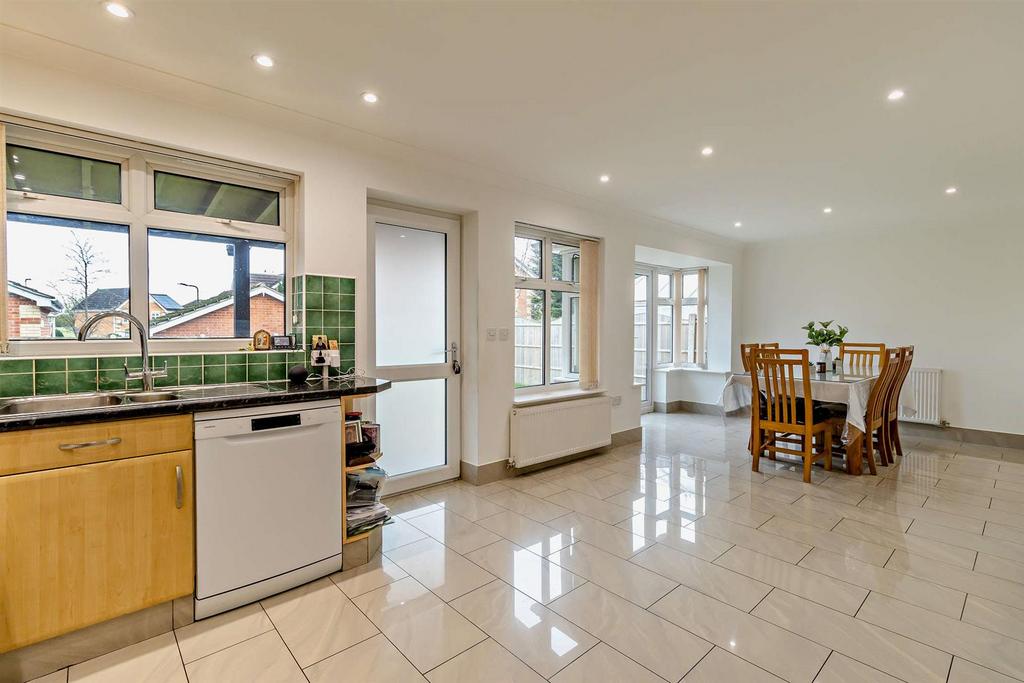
[106, 299]
[198, 309]
[272, 280]
[166, 302]
[42, 299]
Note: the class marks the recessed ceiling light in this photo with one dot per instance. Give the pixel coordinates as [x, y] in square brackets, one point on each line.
[707, 151]
[266, 61]
[827, 209]
[949, 190]
[118, 10]
[19, 176]
[370, 97]
[737, 224]
[895, 95]
[605, 178]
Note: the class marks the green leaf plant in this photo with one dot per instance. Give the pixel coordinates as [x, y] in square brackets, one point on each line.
[823, 334]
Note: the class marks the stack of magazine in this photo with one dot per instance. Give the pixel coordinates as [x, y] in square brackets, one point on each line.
[364, 511]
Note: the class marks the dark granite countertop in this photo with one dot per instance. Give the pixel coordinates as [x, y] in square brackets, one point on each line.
[189, 400]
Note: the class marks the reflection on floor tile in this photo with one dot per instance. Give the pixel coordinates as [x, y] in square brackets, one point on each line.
[612, 573]
[375, 659]
[604, 663]
[264, 657]
[156, 660]
[205, 637]
[720, 666]
[439, 568]
[484, 663]
[525, 571]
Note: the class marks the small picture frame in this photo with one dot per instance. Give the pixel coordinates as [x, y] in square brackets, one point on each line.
[261, 341]
[353, 432]
[282, 342]
[371, 432]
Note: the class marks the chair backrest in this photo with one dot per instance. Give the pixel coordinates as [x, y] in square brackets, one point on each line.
[777, 372]
[861, 356]
[747, 349]
[882, 387]
[893, 399]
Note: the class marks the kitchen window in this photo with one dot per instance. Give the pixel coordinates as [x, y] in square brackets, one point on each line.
[96, 223]
[549, 326]
[677, 303]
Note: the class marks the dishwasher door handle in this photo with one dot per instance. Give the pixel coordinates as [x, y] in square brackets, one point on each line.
[179, 491]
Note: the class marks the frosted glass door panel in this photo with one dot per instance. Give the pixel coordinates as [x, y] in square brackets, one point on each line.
[410, 296]
[416, 434]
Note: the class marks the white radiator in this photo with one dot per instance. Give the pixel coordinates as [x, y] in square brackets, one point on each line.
[552, 430]
[926, 383]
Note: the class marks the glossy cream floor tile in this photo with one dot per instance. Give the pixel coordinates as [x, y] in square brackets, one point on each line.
[603, 663]
[816, 518]
[461, 501]
[445, 572]
[205, 637]
[963, 671]
[399, 533]
[865, 551]
[720, 666]
[598, 488]
[828, 493]
[456, 532]
[888, 581]
[379, 571]
[424, 629]
[880, 519]
[536, 537]
[263, 658]
[657, 644]
[781, 652]
[374, 660]
[543, 640]
[824, 590]
[537, 509]
[963, 539]
[964, 640]
[406, 505]
[713, 580]
[952, 521]
[607, 512]
[959, 579]
[526, 571]
[613, 539]
[678, 509]
[681, 538]
[1004, 532]
[754, 539]
[889, 652]
[612, 573]
[841, 669]
[730, 487]
[55, 677]
[155, 660]
[994, 616]
[533, 486]
[926, 547]
[316, 620]
[483, 663]
[997, 566]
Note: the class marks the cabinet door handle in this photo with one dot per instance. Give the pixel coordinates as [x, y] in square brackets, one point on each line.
[179, 498]
[112, 441]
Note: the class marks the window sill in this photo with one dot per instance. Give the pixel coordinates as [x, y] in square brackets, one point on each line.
[539, 398]
[705, 371]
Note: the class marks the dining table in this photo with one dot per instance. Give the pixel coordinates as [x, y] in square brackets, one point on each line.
[851, 388]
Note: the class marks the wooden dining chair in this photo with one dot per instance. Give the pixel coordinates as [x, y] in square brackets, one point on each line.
[891, 432]
[781, 414]
[877, 413]
[861, 357]
[746, 358]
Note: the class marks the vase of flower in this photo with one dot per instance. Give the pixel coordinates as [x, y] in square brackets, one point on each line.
[825, 337]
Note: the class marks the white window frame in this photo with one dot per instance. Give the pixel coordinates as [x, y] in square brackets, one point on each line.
[676, 301]
[138, 162]
[548, 284]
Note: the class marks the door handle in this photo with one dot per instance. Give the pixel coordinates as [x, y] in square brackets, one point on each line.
[179, 497]
[454, 351]
[112, 441]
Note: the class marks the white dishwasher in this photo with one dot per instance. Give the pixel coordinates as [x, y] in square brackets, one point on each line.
[268, 501]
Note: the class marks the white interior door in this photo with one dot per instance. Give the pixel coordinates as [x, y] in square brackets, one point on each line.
[414, 342]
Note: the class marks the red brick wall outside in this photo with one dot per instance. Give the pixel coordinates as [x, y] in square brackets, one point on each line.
[15, 319]
[107, 326]
[266, 313]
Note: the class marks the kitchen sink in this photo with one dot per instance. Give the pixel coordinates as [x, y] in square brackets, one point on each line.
[46, 404]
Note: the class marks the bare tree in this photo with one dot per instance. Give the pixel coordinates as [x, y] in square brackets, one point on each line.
[85, 263]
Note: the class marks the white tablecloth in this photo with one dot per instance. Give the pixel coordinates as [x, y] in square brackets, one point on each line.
[848, 390]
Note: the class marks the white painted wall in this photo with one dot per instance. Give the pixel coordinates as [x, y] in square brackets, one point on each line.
[339, 167]
[955, 294]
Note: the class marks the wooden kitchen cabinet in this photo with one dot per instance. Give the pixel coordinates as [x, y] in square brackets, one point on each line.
[83, 544]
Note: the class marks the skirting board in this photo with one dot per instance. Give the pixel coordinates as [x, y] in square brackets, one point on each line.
[495, 471]
[688, 407]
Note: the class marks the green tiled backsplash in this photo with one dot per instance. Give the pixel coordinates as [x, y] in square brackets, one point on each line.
[326, 305]
[40, 376]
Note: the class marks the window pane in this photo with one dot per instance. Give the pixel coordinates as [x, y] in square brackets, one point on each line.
[688, 334]
[640, 284]
[61, 272]
[529, 347]
[564, 338]
[213, 198]
[565, 263]
[414, 431]
[691, 282]
[63, 175]
[527, 257]
[194, 279]
[410, 295]
[664, 285]
[664, 335]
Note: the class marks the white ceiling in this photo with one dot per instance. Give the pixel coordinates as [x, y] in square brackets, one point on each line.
[791, 95]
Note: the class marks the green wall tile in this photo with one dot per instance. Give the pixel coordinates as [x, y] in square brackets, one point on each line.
[235, 373]
[214, 359]
[171, 380]
[192, 360]
[10, 367]
[348, 303]
[332, 285]
[190, 375]
[332, 302]
[257, 373]
[235, 358]
[277, 371]
[77, 364]
[51, 365]
[347, 319]
[314, 321]
[348, 285]
[314, 301]
[214, 374]
[314, 283]
[81, 380]
[16, 385]
[110, 380]
[111, 363]
[51, 383]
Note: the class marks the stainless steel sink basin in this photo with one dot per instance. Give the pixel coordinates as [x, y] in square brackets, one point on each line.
[47, 404]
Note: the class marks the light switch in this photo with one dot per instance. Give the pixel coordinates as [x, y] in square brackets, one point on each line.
[503, 334]
[492, 333]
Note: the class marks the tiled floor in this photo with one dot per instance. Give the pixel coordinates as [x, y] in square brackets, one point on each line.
[663, 562]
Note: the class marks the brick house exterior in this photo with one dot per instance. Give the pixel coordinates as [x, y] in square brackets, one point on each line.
[31, 314]
[215, 317]
[116, 299]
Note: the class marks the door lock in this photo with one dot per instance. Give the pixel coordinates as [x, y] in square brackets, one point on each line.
[456, 365]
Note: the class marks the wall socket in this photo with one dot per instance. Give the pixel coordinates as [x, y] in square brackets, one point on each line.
[616, 400]
[503, 334]
[492, 333]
